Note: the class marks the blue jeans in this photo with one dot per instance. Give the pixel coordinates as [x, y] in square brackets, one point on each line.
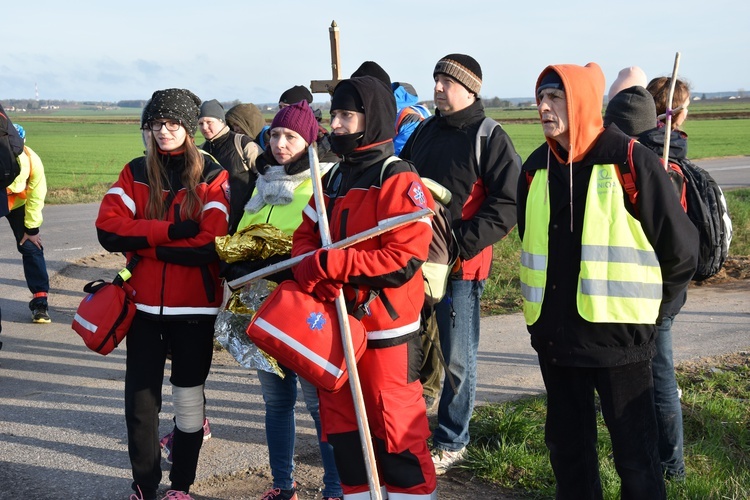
[34, 266]
[570, 432]
[668, 408]
[280, 396]
[458, 324]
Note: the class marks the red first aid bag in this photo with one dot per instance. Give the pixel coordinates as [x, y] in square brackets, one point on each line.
[104, 316]
[302, 333]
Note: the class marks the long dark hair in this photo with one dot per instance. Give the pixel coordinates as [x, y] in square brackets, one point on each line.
[191, 205]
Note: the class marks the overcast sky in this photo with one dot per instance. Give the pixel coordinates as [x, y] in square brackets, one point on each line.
[252, 50]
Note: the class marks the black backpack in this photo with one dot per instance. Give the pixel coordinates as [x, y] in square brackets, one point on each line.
[11, 145]
[707, 209]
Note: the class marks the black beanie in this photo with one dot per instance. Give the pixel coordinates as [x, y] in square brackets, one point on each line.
[296, 94]
[174, 104]
[371, 68]
[550, 81]
[632, 110]
[212, 109]
[346, 97]
[465, 69]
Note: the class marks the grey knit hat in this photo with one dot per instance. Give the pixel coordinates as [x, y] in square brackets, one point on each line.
[465, 69]
[174, 104]
[212, 109]
[632, 110]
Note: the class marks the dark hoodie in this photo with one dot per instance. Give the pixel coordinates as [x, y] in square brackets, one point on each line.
[560, 335]
[386, 267]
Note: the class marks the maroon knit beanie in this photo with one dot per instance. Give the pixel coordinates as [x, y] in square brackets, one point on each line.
[300, 118]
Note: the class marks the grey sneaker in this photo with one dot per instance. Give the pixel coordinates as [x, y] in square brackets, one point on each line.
[40, 315]
[445, 459]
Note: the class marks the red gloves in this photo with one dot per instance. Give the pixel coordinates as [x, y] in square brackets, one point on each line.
[310, 272]
[327, 290]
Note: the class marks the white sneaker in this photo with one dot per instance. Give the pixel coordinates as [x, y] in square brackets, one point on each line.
[445, 459]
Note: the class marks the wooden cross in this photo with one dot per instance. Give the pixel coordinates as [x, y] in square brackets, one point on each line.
[327, 86]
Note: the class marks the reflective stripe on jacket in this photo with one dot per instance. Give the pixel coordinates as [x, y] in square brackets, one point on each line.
[620, 279]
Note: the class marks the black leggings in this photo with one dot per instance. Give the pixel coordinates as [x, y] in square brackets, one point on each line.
[148, 342]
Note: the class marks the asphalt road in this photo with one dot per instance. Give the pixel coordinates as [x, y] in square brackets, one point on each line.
[62, 432]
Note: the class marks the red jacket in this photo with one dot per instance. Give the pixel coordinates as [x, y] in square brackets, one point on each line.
[388, 265]
[175, 279]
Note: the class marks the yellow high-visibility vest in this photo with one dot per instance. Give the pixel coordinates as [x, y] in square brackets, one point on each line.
[620, 278]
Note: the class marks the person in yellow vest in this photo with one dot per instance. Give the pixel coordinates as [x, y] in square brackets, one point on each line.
[281, 194]
[598, 273]
[25, 201]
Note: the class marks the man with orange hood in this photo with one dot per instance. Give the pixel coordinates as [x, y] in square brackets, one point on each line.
[598, 272]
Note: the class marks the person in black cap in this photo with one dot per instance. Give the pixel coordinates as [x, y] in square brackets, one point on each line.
[483, 210]
[235, 152]
[598, 271]
[165, 210]
[633, 111]
[381, 279]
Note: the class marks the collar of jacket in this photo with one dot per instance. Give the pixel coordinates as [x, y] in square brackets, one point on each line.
[461, 119]
[366, 156]
[654, 140]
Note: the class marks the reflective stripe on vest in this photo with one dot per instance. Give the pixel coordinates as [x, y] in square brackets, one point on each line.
[620, 278]
[534, 248]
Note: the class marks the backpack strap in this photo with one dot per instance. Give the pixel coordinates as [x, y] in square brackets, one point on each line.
[240, 150]
[483, 137]
[626, 176]
[387, 162]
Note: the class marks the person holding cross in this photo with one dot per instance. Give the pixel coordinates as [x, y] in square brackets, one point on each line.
[282, 191]
[381, 280]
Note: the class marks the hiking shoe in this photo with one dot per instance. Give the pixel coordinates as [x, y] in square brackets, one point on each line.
[40, 315]
[445, 459]
[166, 445]
[279, 494]
[206, 429]
[176, 495]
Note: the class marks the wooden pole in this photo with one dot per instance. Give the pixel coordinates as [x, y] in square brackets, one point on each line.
[327, 86]
[346, 338]
[391, 224]
[333, 34]
[668, 123]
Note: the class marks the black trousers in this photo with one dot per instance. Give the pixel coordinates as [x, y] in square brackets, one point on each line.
[626, 394]
[148, 342]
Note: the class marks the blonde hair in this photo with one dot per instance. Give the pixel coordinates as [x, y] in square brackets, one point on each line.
[191, 205]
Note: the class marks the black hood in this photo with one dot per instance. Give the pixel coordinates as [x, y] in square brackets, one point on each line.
[380, 109]
[654, 140]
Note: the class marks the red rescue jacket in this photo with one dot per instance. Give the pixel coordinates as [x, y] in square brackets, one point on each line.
[174, 279]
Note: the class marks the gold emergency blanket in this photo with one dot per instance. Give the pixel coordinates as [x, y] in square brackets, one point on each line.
[254, 242]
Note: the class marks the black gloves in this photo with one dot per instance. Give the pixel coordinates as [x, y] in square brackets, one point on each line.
[185, 229]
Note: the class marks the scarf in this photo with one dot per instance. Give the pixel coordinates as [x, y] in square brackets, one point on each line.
[275, 187]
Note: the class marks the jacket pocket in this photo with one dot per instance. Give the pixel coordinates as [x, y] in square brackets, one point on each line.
[405, 417]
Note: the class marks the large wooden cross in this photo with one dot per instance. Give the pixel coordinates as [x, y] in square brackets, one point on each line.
[327, 86]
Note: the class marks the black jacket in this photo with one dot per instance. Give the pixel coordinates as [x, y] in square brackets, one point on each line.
[483, 203]
[241, 176]
[560, 335]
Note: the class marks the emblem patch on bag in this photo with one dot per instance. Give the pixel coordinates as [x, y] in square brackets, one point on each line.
[316, 321]
[416, 195]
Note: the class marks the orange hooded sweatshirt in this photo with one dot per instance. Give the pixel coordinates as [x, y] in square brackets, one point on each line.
[584, 91]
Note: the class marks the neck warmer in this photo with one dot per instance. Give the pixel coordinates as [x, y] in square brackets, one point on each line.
[275, 187]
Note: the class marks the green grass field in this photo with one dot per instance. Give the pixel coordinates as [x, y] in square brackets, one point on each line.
[84, 149]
